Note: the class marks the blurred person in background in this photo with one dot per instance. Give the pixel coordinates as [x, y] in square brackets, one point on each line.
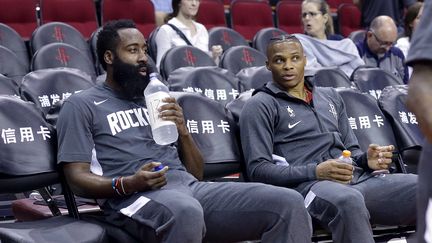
[183, 19]
[317, 21]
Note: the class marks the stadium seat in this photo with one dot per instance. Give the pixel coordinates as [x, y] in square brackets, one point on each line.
[332, 77]
[20, 16]
[226, 37]
[238, 57]
[53, 32]
[349, 18]
[236, 106]
[334, 4]
[211, 14]
[8, 86]
[151, 43]
[249, 16]
[373, 80]
[357, 35]
[288, 16]
[141, 12]
[405, 125]
[213, 82]
[215, 133]
[62, 55]
[263, 37]
[11, 66]
[28, 162]
[368, 122]
[81, 14]
[46, 87]
[253, 77]
[183, 56]
[10, 39]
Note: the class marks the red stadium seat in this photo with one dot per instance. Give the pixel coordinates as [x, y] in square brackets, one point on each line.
[211, 13]
[81, 14]
[140, 11]
[349, 18]
[250, 16]
[20, 16]
[288, 16]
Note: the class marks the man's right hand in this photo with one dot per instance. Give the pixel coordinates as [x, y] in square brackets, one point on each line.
[334, 170]
[146, 179]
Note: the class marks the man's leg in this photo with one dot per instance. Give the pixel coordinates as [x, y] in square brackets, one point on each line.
[342, 209]
[171, 213]
[236, 211]
[424, 193]
[391, 199]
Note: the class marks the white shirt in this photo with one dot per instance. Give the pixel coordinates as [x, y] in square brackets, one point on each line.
[167, 38]
[403, 43]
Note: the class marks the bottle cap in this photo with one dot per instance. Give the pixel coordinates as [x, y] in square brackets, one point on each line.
[346, 153]
[159, 167]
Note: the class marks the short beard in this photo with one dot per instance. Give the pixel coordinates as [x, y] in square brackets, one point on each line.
[127, 76]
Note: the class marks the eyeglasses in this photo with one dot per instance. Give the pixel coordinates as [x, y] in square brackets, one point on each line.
[381, 42]
[311, 14]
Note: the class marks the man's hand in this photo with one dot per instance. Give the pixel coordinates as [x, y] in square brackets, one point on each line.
[379, 157]
[334, 170]
[145, 179]
[171, 111]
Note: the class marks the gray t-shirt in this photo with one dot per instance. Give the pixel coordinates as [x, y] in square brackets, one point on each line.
[116, 131]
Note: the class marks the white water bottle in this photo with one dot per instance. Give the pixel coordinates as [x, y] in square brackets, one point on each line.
[345, 157]
[164, 132]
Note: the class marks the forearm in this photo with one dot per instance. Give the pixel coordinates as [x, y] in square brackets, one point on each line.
[279, 175]
[191, 156]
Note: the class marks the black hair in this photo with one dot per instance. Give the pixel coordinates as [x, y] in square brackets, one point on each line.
[108, 37]
[410, 16]
[283, 38]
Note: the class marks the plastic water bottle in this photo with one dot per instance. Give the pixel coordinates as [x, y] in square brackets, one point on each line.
[164, 132]
[345, 157]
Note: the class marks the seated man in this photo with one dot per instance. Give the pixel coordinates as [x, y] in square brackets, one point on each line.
[110, 122]
[377, 48]
[308, 127]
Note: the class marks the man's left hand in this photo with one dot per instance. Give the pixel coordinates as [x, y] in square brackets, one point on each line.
[171, 111]
[379, 157]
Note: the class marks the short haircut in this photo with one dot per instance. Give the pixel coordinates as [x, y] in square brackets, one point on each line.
[283, 38]
[108, 37]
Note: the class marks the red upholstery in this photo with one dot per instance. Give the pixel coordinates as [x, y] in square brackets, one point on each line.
[349, 18]
[81, 14]
[140, 11]
[334, 4]
[288, 16]
[211, 13]
[250, 16]
[20, 16]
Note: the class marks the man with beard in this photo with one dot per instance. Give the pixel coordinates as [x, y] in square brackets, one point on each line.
[377, 48]
[107, 152]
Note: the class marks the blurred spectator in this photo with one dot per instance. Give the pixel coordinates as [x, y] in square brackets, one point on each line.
[162, 10]
[412, 18]
[317, 21]
[378, 50]
[370, 9]
[181, 21]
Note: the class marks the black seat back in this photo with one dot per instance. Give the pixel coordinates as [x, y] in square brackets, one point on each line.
[62, 55]
[262, 38]
[373, 80]
[253, 77]
[331, 77]
[183, 56]
[213, 82]
[226, 37]
[47, 87]
[214, 131]
[239, 57]
[8, 86]
[11, 66]
[10, 39]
